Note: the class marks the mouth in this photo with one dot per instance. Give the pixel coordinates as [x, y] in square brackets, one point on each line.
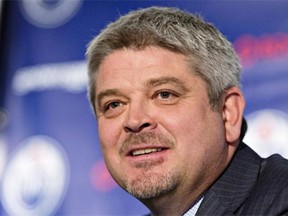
[146, 151]
[146, 145]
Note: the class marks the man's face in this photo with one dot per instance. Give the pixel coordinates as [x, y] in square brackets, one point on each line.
[156, 127]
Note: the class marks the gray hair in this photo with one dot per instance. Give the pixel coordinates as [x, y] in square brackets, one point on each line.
[210, 54]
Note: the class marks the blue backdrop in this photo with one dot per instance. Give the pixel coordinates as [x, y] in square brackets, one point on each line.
[50, 159]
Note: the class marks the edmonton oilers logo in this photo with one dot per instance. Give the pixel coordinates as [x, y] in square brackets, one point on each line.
[36, 179]
[49, 13]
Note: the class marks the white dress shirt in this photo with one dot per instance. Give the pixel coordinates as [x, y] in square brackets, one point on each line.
[192, 211]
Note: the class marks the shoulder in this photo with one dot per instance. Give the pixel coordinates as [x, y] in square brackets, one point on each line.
[273, 177]
[270, 193]
[274, 169]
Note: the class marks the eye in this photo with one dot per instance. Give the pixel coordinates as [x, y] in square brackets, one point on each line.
[112, 105]
[165, 95]
[112, 109]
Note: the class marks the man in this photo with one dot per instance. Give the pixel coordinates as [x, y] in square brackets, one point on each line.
[165, 88]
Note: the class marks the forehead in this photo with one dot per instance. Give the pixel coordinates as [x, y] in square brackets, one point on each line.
[135, 65]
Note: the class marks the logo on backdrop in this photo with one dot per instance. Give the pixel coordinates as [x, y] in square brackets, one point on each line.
[36, 178]
[68, 76]
[267, 132]
[49, 13]
[100, 178]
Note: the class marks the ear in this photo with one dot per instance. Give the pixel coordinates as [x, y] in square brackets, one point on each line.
[232, 112]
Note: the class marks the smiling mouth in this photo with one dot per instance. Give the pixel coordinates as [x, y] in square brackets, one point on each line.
[145, 151]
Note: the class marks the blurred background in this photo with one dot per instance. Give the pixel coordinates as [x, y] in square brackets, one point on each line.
[50, 159]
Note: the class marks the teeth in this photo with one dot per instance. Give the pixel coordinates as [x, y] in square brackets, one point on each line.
[145, 151]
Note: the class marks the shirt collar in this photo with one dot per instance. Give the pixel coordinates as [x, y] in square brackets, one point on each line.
[193, 210]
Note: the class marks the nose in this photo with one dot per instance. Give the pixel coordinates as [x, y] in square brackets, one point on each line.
[139, 118]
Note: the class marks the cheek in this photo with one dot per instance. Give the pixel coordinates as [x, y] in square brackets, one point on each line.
[196, 130]
[182, 123]
[109, 133]
[109, 136]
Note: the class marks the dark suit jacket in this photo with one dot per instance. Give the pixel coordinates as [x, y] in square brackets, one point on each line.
[249, 186]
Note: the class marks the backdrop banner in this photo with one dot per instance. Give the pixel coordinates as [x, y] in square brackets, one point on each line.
[50, 156]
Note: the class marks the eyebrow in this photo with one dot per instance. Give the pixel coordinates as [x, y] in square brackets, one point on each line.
[166, 80]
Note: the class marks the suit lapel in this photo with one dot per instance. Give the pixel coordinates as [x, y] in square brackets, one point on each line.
[232, 188]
